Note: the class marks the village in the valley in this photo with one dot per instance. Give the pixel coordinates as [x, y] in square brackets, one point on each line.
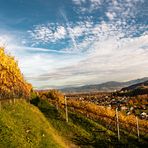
[126, 104]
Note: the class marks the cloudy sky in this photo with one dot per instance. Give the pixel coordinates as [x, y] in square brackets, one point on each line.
[60, 43]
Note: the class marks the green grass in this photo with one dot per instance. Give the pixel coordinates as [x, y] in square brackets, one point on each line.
[83, 131]
[23, 125]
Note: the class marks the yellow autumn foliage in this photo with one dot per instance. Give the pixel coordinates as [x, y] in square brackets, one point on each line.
[12, 82]
[102, 112]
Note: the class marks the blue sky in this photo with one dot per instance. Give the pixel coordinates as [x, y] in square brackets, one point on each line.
[60, 43]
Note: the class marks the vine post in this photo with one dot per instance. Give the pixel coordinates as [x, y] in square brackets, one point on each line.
[117, 120]
[66, 111]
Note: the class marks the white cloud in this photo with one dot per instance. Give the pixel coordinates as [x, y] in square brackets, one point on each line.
[118, 13]
[95, 52]
[110, 59]
[120, 9]
[60, 33]
[93, 5]
[111, 15]
[79, 2]
[48, 33]
[6, 39]
[123, 10]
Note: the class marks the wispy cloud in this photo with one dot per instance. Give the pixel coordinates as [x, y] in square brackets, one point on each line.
[93, 5]
[108, 61]
[108, 58]
[114, 47]
[48, 33]
[69, 29]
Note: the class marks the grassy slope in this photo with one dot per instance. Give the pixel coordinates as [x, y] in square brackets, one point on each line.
[83, 131]
[23, 125]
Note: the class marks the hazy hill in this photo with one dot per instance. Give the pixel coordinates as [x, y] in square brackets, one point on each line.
[136, 89]
[108, 86]
[142, 85]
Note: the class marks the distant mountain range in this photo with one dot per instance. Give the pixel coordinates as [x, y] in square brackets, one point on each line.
[105, 87]
[142, 85]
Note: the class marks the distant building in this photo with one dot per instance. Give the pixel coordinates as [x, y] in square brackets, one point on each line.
[144, 115]
[124, 108]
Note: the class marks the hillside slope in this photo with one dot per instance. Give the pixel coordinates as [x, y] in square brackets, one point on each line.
[90, 127]
[142, 85]
[23, 125]
[135, 90]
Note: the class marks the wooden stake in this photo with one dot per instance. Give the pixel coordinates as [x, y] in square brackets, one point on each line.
[118, 124]
[138, 135]
[66, 109]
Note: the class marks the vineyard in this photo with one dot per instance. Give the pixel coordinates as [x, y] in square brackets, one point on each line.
[104, 116]
[12, 83]
[87, 124]
[107, 117]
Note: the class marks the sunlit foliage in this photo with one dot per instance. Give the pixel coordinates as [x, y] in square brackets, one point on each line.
[106, 115]
[54, 96]
[12, 83]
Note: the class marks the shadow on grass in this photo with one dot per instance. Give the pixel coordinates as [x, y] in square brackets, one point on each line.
[46, 108]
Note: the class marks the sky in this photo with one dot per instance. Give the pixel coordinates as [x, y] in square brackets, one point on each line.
[63, 43]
